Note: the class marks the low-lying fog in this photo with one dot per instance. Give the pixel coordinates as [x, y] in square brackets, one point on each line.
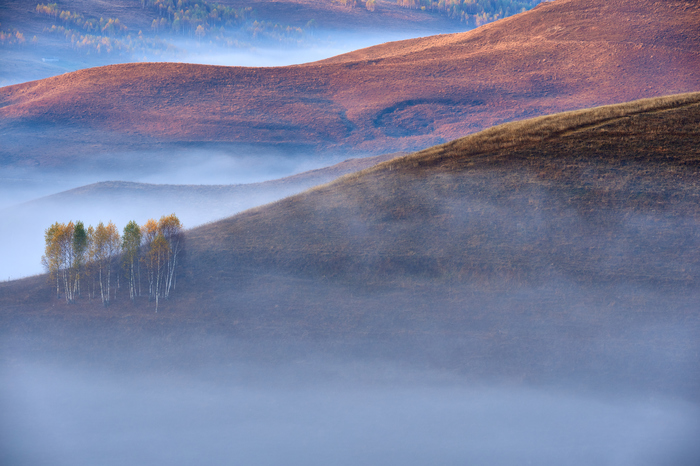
[22, 190]
[337, 413]
[56, 57]
[324, 44]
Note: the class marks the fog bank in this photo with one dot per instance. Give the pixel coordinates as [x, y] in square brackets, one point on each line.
[62, 416]
[53, 56]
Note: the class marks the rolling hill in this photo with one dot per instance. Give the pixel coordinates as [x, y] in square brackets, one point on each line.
[121, 202]
[561, 249]
[404, 95]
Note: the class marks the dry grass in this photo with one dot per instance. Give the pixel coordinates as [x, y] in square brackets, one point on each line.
[400, 96]
[540, 129]
[448, 212]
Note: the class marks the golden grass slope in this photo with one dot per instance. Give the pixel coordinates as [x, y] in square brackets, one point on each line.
[563, 55]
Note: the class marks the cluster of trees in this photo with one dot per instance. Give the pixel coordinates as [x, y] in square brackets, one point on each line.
[274, 31]
[473, 12]
[95, 34]
[195, 17]
[88, 260]
[370, 5]
[12, 37]
[107, 26]
[123, 45]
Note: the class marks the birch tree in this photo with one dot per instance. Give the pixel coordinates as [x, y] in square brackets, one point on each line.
[91, 261]
[171, 229]
[149, 232]
[52, 254]
[106, 245]
[58, 257]
[80, 248]
[159, 251]
[131, 243]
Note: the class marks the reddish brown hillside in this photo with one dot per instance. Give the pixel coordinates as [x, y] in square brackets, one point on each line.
[563, 55]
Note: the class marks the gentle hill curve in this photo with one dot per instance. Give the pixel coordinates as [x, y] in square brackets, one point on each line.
[596, 168]
[121, 202]
[563, 249]
[562, 55]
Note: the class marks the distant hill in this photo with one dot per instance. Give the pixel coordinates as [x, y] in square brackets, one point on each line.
[121, 202]
[40, 39]
[197, 203]
[561, 248]
[405, 95]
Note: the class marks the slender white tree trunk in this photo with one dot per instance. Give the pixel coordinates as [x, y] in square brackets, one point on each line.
[102, 291]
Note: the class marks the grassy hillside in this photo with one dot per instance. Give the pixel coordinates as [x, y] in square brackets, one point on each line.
[524, 201]
[411, 94]
[563, 249]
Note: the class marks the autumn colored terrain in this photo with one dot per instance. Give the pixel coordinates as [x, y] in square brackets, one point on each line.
[406, 95]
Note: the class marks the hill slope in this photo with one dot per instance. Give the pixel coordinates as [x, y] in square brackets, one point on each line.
[583, 187]
[564, 249]
[563, 55]
[121, 202]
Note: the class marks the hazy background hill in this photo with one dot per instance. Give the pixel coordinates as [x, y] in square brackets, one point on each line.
[122, 202]
[533, 286]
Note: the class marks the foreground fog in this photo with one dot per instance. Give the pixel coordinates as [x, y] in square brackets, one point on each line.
[270, 416]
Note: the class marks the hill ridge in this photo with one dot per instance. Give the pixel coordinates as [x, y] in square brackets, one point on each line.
[534, 130]
[561, 56]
